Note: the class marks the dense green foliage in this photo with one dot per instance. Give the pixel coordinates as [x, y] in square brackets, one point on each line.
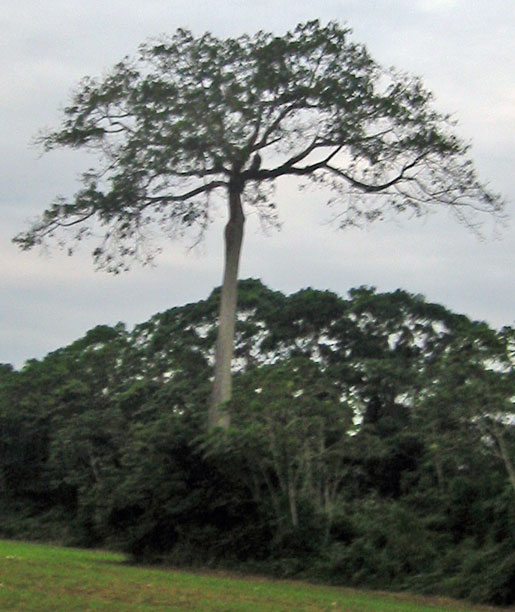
[190, 120]
[372, 443]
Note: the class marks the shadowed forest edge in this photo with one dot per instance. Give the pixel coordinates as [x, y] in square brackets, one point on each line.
[372, 443]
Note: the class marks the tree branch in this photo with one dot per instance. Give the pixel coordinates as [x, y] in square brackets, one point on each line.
[263, 142]
[190, 194]
[367, 188]
[289, 168]
[77, 221]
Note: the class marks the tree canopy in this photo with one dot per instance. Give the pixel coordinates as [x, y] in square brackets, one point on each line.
[372, 442]
[190, 118]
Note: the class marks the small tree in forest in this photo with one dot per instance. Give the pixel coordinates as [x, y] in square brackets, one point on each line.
[192, 117]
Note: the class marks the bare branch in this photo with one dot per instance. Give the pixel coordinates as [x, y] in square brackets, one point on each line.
[368, 188]
[289, 169]
[190, 194]
[76, 221]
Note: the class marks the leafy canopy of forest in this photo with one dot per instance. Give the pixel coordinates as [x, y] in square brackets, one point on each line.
[372, 442]
[190, 120]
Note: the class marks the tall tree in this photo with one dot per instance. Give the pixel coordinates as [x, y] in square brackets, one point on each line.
[191, 117]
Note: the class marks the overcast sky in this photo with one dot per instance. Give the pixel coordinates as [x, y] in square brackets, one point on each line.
[463, 49]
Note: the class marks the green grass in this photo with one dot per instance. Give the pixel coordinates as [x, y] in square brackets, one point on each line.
[38, 578]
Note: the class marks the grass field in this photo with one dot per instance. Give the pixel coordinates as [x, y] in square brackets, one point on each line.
[38, 578]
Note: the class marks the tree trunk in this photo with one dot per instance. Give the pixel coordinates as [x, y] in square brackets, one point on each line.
[292, 499]
[504, 454]
[222, 384]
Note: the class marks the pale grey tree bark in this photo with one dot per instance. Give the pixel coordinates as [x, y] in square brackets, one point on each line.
[222, 384]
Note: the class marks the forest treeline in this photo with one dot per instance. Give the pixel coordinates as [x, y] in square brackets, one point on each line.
[372, 443]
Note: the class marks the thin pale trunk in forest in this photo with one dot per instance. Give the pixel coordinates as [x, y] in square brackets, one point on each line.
[504, 455]
[292, 499]
[222, 384]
